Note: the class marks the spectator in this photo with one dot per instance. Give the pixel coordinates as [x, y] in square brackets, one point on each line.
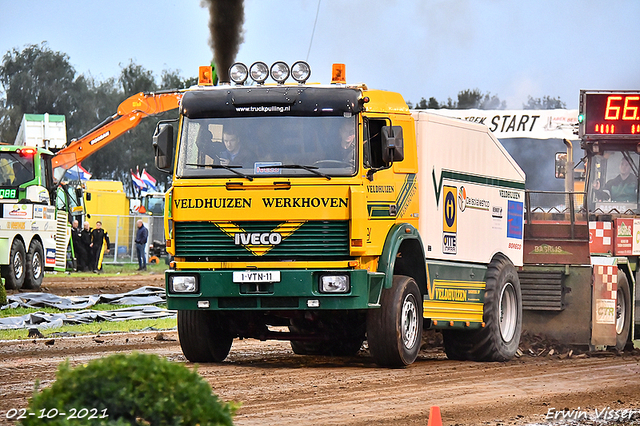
[78, 247]
[85, 244]
[141, 242]
[99, 246]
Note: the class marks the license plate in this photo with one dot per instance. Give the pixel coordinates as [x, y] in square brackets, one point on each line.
[256, 276]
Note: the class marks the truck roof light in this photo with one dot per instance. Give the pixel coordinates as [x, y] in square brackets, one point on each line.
[259, 72]
[205, 76]
[26, 152]
[338, 74]
[238, 73]
[279, 72]
[300, 71]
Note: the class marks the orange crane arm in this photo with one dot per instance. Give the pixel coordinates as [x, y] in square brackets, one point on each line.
[130, 112]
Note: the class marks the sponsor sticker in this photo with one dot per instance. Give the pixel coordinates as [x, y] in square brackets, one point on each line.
[605, 311]
[449, 221]
[515, 212]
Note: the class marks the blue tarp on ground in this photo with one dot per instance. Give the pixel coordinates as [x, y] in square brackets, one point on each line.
[144, 296]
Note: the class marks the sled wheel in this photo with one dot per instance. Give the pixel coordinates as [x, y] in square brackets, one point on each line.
[394, 330]
[623, 311]
[35, 266]
[202, 338]
[14, 272]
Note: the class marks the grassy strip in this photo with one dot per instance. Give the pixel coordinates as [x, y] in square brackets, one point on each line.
[94, 328]
[119, 269]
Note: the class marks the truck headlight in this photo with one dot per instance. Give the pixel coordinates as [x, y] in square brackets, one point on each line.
[280, 72]
[259, 72]
[334, 284]
[238, 73]
[183, 284]
[300, 71]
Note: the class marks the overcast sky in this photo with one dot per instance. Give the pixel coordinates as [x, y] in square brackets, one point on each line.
[420, 48]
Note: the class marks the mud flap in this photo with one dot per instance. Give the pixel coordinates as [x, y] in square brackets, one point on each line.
[605, 286]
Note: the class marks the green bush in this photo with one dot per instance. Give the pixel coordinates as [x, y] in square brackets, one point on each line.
[3, 293]
[137, 389]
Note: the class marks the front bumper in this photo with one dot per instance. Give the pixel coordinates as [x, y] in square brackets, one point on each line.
[297, 290]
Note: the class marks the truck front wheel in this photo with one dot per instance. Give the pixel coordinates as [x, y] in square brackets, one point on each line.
[35, 266]
[498, 340]
[623, 311]
[202, 337]
[14, 272]
[394, 331]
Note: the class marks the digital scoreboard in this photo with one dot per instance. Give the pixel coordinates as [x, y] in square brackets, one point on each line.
[609, 114]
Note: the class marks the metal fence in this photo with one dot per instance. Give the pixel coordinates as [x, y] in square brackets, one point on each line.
[122, 235]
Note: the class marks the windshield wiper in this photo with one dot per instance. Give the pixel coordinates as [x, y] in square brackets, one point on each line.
[220, 166]
[311, 169]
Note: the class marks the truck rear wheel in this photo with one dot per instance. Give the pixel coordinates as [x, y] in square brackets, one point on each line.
[394, 330]
[202, 337]
[35, 266]
[498, 340]
[14, 272]
[623, 311]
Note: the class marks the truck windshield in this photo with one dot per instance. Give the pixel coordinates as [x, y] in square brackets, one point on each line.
[268, 146]
[614, 182]
[15, 169]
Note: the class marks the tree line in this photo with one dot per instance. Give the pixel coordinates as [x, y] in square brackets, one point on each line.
[38, 80]
[476, 99]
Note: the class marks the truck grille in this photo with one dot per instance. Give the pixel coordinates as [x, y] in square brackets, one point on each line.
[309, 240]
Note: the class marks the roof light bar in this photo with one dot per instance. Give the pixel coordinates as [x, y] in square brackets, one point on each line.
[279, 71]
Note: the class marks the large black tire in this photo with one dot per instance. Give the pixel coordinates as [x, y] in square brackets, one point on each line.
[35, 266]
[394, 331]
[623, 311]
[202, 337]
[498, 340]
[14, 272]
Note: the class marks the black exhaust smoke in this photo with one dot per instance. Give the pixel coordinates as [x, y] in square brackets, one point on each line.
[225, 26]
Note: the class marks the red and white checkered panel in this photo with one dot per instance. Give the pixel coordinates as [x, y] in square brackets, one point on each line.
[609, 276]
[600, 237]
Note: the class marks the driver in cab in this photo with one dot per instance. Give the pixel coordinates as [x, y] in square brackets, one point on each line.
[623, 188]
[235, 153]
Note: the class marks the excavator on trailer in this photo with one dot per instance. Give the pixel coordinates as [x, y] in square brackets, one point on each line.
[129, 114]
[38, 207]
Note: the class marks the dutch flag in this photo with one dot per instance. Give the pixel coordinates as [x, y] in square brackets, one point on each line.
[148, 180]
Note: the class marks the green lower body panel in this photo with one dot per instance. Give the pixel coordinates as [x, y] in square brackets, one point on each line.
[295, 290]
[455, 294]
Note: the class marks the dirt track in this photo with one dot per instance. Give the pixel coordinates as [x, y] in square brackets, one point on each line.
[277, 387]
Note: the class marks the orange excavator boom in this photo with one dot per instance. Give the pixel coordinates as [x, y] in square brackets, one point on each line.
[130, 112]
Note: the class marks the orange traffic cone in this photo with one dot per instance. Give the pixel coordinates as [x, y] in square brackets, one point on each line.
[434, 416]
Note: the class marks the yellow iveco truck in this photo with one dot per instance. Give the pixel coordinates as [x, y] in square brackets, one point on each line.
[334, 212]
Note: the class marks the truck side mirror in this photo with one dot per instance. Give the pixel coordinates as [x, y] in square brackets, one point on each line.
[163, 146]
[561, 165]
[392, 144]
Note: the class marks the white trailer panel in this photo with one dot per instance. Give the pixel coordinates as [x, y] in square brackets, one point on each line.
[471, 193]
